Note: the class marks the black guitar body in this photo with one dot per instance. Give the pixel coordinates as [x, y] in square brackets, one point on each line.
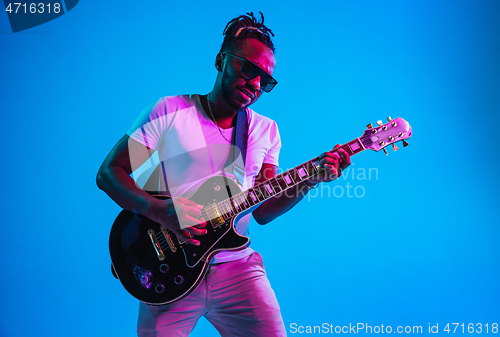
[153, 266]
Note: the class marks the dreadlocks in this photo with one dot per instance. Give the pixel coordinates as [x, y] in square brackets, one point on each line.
[244, 27]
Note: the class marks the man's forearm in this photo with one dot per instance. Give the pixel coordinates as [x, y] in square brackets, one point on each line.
[123, 190]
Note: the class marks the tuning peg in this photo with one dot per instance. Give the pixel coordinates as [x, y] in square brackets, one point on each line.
[380, 123]
[389, 119]
[385, 151]
[394, 147]
[369, 126]
[405, 143]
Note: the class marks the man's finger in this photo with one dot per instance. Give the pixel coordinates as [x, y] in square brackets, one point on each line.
[190, 224]
[193, 211]
[188, 238]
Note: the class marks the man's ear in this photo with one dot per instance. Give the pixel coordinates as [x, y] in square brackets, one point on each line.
[218, 62]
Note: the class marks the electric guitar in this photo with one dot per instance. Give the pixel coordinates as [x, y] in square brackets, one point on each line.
[156, 267]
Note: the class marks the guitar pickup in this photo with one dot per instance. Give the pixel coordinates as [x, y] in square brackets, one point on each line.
[216, 219]
[156, 245]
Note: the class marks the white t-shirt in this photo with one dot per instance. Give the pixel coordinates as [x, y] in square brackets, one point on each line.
[189, 149]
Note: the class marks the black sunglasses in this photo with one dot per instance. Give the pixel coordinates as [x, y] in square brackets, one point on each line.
[250, 70]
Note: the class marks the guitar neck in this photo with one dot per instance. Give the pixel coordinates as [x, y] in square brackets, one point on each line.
[278, 184]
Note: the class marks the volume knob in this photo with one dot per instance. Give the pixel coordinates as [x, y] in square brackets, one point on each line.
[178, 279]
[164, 268]
[159, 288]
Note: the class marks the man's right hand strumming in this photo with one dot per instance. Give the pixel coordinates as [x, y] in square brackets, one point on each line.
[181, 216]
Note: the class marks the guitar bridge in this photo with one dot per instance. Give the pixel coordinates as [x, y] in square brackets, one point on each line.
[170, 242]
[157, 246]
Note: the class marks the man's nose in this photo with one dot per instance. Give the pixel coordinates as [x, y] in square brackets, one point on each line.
[255, 83]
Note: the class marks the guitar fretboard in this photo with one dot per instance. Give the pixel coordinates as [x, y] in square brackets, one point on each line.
[278, 184]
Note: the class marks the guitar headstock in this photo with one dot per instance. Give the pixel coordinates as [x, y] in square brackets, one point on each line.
[377, 138]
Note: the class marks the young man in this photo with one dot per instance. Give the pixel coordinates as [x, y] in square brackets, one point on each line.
[192, 136]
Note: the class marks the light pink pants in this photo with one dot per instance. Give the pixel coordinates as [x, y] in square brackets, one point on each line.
[235, 297]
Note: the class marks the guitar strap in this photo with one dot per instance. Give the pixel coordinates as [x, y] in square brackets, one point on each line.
[239, 146]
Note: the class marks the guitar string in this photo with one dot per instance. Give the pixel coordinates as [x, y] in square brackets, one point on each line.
[243, 200]
[261, 187]
[246, 199]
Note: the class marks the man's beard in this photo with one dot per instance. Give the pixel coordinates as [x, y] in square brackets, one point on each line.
[227, 92]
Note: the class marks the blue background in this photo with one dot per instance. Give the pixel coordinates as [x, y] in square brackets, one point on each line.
[420, 245]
